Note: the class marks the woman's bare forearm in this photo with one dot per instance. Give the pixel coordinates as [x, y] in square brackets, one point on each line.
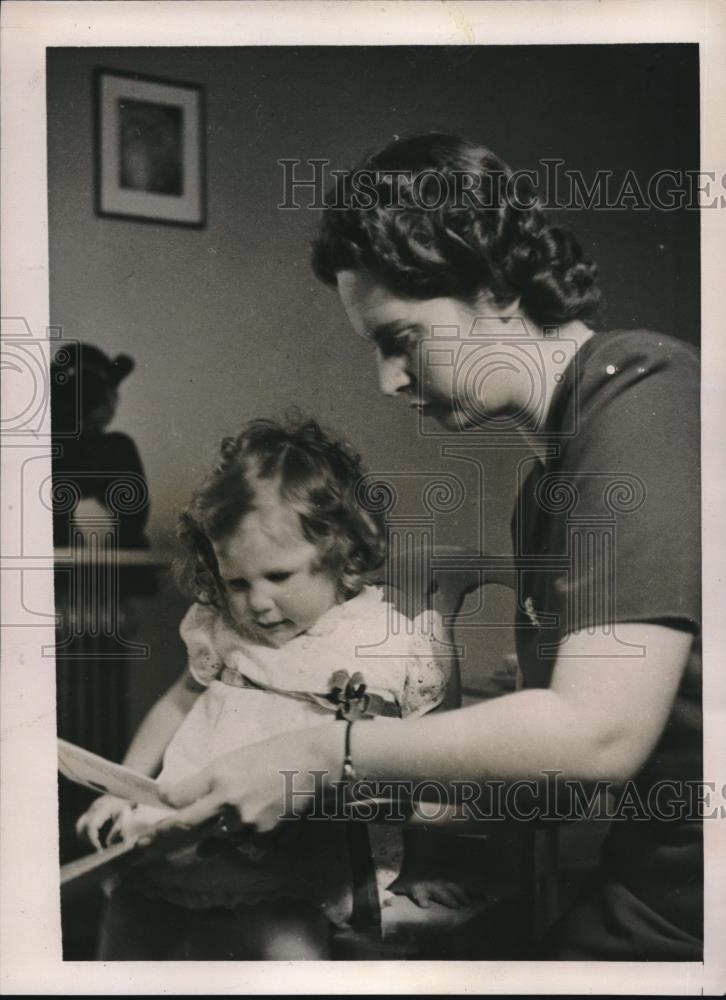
[600, 718]
[517, 736]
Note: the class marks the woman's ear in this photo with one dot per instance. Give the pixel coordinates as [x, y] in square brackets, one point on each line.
[510, 311]
[485, 305]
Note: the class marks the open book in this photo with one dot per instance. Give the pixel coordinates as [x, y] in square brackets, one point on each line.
[103, 776]
[86, 768]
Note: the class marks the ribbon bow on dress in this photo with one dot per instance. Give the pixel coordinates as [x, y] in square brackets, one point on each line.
[354, 701]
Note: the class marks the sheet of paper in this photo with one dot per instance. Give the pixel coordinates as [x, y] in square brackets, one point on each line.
[86, 768]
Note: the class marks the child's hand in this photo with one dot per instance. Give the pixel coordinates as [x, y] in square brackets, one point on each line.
[424, 891]
[107, 808]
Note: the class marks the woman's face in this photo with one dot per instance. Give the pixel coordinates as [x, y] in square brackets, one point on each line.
[444, 357]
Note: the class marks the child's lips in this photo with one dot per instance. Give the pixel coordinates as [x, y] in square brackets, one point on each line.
[271, 626]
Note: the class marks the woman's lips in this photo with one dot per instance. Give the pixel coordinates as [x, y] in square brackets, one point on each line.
[426, 409]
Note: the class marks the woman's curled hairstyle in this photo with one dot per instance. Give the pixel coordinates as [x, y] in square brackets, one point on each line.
[437, 216]
[300, 465]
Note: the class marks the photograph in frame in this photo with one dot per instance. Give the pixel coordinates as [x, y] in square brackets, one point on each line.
[150, 153]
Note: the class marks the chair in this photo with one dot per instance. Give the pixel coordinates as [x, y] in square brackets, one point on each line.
[452, 574]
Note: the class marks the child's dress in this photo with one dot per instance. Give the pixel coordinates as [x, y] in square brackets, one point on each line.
[400, 660]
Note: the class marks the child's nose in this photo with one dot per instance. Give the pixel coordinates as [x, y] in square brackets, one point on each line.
[259, 598]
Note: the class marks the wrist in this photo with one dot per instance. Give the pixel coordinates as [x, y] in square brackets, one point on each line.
[328, 750]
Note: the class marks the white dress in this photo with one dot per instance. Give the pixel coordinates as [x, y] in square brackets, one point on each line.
[400, 659]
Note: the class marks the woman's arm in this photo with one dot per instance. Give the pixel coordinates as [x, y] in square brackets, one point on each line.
[601, 717]
[160, 724]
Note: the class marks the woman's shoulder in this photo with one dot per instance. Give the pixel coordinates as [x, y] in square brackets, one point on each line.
[652, 370]
[631, 400]
[642, 347]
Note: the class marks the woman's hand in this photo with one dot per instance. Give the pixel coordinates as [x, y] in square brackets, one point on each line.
[262, 784]
[107, 808]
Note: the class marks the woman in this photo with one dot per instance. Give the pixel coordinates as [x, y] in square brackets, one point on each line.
[608, 614]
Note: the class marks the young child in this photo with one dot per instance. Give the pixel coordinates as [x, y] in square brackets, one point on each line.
[278, 553]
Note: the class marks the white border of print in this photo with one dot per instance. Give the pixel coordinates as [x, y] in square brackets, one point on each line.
[29, 917]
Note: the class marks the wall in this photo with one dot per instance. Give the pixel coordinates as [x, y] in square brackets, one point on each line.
[228, 322]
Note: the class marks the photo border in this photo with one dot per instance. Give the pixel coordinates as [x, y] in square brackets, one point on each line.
[29, 873]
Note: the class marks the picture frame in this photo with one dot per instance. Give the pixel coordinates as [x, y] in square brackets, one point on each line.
[150, 156]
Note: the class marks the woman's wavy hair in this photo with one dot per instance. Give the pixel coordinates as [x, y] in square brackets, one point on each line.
[300, 465]
[438, 216]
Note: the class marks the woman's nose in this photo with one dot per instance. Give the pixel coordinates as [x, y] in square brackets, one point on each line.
[393, 375]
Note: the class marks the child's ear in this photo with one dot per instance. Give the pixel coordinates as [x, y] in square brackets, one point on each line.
[349, 583]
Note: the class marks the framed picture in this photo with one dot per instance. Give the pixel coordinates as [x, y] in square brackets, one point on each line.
[149, 149]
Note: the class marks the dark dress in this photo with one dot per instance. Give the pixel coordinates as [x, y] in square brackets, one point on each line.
[609, 527]
[106, 467]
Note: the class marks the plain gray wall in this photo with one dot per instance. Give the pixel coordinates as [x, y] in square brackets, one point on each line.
[228, 322]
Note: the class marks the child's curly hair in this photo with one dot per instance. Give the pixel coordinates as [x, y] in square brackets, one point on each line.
[313, 473]
[482, 232]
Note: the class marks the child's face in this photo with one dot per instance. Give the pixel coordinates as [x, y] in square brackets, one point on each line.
[268, 569]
